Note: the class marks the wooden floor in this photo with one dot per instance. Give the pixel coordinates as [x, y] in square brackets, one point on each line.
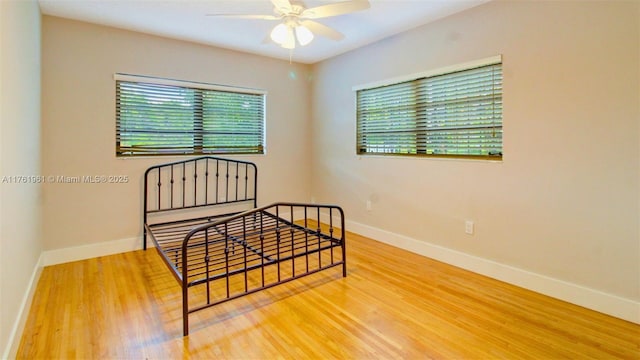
[393, 304]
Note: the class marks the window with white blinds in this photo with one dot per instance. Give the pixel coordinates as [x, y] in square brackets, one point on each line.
[455, 113]
[166, 117]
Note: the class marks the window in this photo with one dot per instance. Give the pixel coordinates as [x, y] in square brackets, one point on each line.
[446, 113]
[166, 117]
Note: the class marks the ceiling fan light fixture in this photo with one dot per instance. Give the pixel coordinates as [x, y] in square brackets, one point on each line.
[290, 40]
[297, 22]
[280, 34]
[304, 35]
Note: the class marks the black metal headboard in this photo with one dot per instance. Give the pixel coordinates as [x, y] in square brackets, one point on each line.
[198, 182]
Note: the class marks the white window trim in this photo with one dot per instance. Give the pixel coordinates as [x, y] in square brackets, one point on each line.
[199, 85]
[429, 73]
[492, 60]
[182, 83]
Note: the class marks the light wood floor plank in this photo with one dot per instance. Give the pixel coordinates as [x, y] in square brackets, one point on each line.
[393, 304]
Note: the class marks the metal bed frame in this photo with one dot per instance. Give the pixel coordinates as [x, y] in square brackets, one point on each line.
[203, 219]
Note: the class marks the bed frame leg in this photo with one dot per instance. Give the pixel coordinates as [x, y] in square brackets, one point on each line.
[185, 316]
[185, 294]
[344, 252]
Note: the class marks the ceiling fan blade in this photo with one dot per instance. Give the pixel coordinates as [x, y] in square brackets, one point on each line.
[336, 9]
[322, 30]
[241, 16]
[282, 6]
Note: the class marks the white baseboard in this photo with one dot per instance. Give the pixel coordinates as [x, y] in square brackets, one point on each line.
[576, 294]
[64, 255]
[23, 313]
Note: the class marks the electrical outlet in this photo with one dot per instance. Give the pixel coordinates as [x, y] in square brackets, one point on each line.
[368, 205]
[313, 200]
[468, 227]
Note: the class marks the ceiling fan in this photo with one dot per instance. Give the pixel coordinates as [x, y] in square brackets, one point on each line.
[297, 22]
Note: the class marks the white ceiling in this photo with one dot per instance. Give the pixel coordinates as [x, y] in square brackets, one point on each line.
[186, 20]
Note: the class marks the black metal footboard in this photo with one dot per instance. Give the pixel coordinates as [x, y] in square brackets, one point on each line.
[256, 250]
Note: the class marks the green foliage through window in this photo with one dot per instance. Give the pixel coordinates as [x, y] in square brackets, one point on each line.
[158, 119]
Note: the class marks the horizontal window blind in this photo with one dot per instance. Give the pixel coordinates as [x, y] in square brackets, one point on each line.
[160, 119]
[452, 114]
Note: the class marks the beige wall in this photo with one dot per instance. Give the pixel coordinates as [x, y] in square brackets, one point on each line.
[564, 201]
[20, 242]
[78, 123]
